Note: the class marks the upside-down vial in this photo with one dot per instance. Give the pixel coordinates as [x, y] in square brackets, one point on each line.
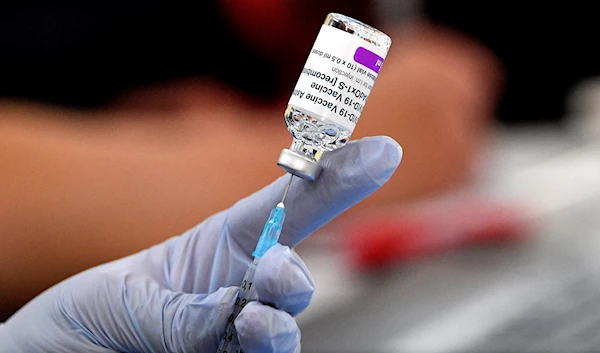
[331, 92]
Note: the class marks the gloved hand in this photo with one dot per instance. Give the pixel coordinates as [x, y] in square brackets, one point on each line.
[177, 296]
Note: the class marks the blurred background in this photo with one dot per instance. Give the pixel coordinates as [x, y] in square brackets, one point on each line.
[123, 123]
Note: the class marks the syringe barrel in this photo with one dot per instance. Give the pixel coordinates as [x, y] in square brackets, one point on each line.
[229, 343]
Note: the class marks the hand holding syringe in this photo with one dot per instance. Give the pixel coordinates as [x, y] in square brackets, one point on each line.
[178, 295]
[266, 304]
[321, 115]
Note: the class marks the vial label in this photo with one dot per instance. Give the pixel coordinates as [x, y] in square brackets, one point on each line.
[337, 77]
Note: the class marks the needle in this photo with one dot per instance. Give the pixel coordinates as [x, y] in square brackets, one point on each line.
[287, 188]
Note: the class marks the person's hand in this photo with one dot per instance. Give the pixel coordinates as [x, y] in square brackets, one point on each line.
[177, 296]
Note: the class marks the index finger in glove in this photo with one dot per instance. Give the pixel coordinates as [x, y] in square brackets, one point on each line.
[349, 175]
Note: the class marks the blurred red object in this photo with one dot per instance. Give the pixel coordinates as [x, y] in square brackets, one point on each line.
[387, 239]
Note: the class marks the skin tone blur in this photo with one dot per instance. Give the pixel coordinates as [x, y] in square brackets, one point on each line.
[79, 190]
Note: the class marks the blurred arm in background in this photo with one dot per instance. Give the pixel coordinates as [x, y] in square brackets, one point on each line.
[125, 123]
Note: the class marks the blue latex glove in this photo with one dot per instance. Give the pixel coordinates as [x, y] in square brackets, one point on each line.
[177, 296]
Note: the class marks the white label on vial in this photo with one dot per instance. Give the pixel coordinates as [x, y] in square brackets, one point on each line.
[337, 77]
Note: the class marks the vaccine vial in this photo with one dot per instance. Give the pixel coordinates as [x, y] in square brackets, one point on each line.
[331, 92]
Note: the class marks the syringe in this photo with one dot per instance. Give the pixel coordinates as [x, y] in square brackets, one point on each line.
[247, 293]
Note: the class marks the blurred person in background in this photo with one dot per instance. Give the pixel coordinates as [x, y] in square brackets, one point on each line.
[123, 123]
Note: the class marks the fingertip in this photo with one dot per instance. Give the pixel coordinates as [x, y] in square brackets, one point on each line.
[251, 321]
[261, 328]
[283, 280]
[379, 157]
[364, 164]
[395, 151]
